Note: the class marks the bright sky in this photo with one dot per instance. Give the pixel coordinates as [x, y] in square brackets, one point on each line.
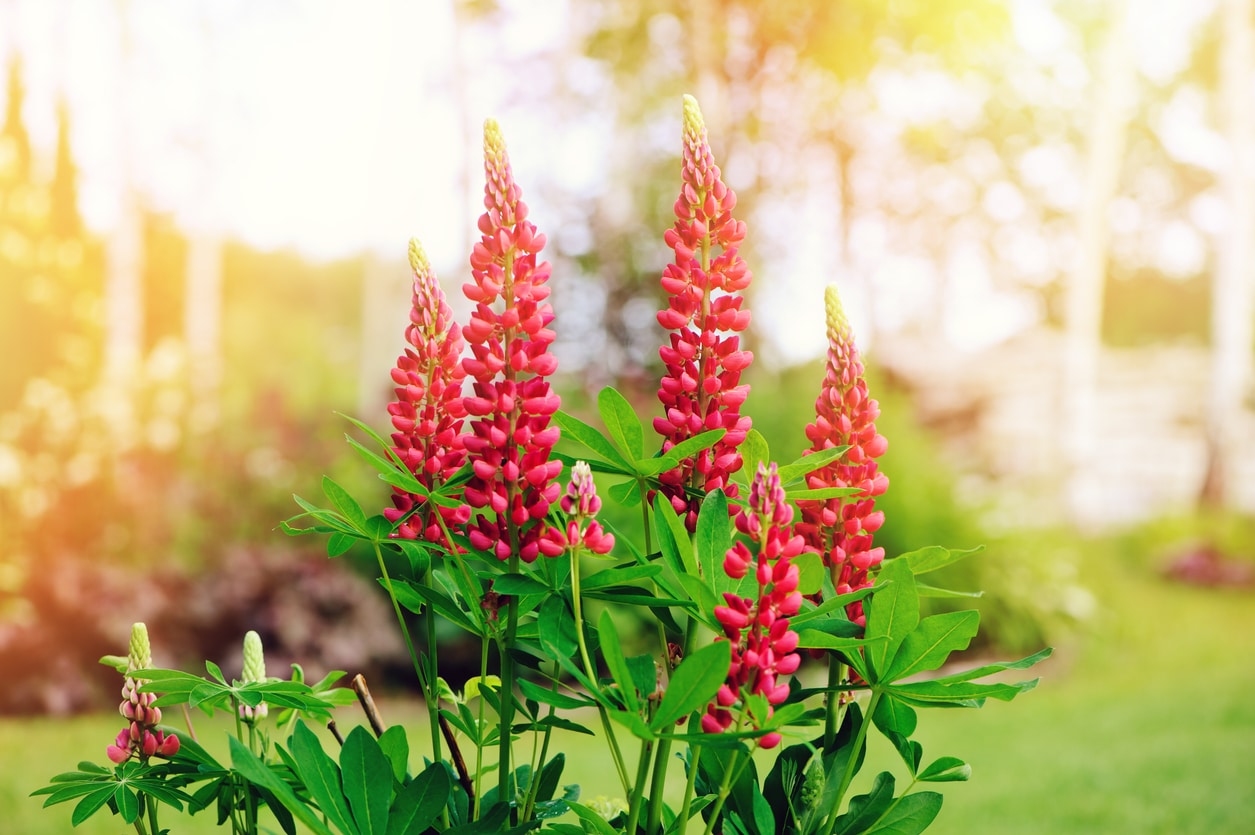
[331, 126]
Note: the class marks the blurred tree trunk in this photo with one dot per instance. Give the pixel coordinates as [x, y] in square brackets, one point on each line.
[1233, 294]
[1083, 296]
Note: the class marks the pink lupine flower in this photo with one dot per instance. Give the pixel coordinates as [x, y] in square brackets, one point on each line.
[841, 529]
[511, 439]
[581, 503]
[140, 738]
[701, 388]
[428, 411]
[763, 646]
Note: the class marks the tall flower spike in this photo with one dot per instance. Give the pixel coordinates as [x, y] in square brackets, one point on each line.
[701, 387]
[841, 529]
[140, 738]
[513, 479]
[427, 414]
[763, 646]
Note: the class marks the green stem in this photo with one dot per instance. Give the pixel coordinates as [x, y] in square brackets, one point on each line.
[835, 709]
[479, 729]
[690, 784]
[851, 764]
[537, 764]
[507, 679]
[638, 791]
[725, 788]
[431, 691]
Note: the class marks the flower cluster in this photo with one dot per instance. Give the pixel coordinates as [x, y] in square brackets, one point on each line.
[140, 738]
[581, 503]
[701, 388]
[763, 646]
[428, 411]
[841, 529]
[511, 439]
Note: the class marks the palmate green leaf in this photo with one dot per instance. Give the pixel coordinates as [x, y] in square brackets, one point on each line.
[933, 557]
[367, 777]
[754, 451]
[706, 601]
[622, 423]
[931, 643]
[418, 805]
[830, 605]
[416, 597]
[909, 815]
[690, 447]
[693, 684]
[616, 662]
[321, 777]
[126, 801]
[255, 771]
[91, 803]
[892, 715]
[594, 822]
[628, 597]
[815, 639]
[69, 786]
[960, 694]
[713, 536]
[577, 430]
[671, 530]
[625, 493]
[892, 614]
[990, 669]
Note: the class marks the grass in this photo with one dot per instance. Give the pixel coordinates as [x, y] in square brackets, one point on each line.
[1147, 726]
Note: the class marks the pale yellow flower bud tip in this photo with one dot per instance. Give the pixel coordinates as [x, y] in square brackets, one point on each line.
[693, 121]
[139, 654]
[837, 323]
[494, 142]
[418, 258]
[254, 659]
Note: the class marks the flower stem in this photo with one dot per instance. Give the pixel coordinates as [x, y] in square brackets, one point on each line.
[430, 694]
[507, 679]
[835, 709]
[851, 763]
[725, 788]
[690, 784]
[642, 772]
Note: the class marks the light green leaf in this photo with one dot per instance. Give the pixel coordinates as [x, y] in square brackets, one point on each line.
[892, 614]
[616, 663]
[367, 776]
[946, 770]
[990, 669]
[753, 451]
[928, 647]
[693, 684]
[396, 748]
[910, 815]
[713, 535]
[321, 777]
[933, 557]
[622, 423]
[346, 504]
[810, 572]
[255, 771]
[418, 805]
[578, 430]
[810, 462]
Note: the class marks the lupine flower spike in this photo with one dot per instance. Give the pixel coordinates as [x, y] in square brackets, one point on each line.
[140, 738]
[511, 439]
[428, 412]
[581, 503]
[763, 646]
[254, 671]
[841, 529]
[701, 388]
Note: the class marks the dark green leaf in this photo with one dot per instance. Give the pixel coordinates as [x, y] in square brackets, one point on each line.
[594, 822]
[127, 803]
[518, 584]
[866, 809]
[892, 715]
[946, 770]
[418, 804]
[90, 803]
[557, 628]
[616, 663]
[910, 815]
[255, 771]
[367, 776]
[622, 423]
[620, 576]
[547, 696]
[821, 493]
[693, 684]
[343, 502]
[931, 643]
[321, 777]
[396, 748]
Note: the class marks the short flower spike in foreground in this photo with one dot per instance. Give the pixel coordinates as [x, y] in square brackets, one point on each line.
[428, 412]
[841, 529]
[140, 738]
[509, 447]
[701, 388]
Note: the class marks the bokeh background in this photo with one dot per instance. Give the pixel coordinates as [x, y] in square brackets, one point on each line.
[1040, 215]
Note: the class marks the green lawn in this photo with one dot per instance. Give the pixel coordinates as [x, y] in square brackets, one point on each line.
[1150, 731]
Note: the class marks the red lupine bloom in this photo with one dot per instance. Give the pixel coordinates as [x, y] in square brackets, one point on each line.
[701, 388]
[841, 529]
[428, 412]
[511, 439]
[763, 646]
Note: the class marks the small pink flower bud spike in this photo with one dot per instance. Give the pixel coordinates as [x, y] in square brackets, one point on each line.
[841, 529]
[140, 738]
[701, 387]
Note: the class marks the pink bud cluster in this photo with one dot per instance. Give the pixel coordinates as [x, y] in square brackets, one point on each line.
[701, 388]
[140, 738]
[581, 503]
[510, 442]
[763, 646]
[428, 411]
[841, 529]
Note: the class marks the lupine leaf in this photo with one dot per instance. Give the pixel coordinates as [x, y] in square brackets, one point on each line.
[754, 451]
[693, 684]
[626, 493]
[127, 803]
[933, 557]
[255, 771]
[396, 747]
[962, 694]
[621, 575]
[691, 446]
[367, 777]
[931, 643]
[557, 628]
[866, 809]
[909, 815]
[892, 615]
[518, 584]
[546, 696]
[616, 663]
[91, 804]
[926, 590]
[418, 804]
[821, 493]
[946, 770]
[892, 715]
[621, 421]
[346, 504]
[321, 777]
[592, 819]
[990, 669]
[714, 535]
[577, 430]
